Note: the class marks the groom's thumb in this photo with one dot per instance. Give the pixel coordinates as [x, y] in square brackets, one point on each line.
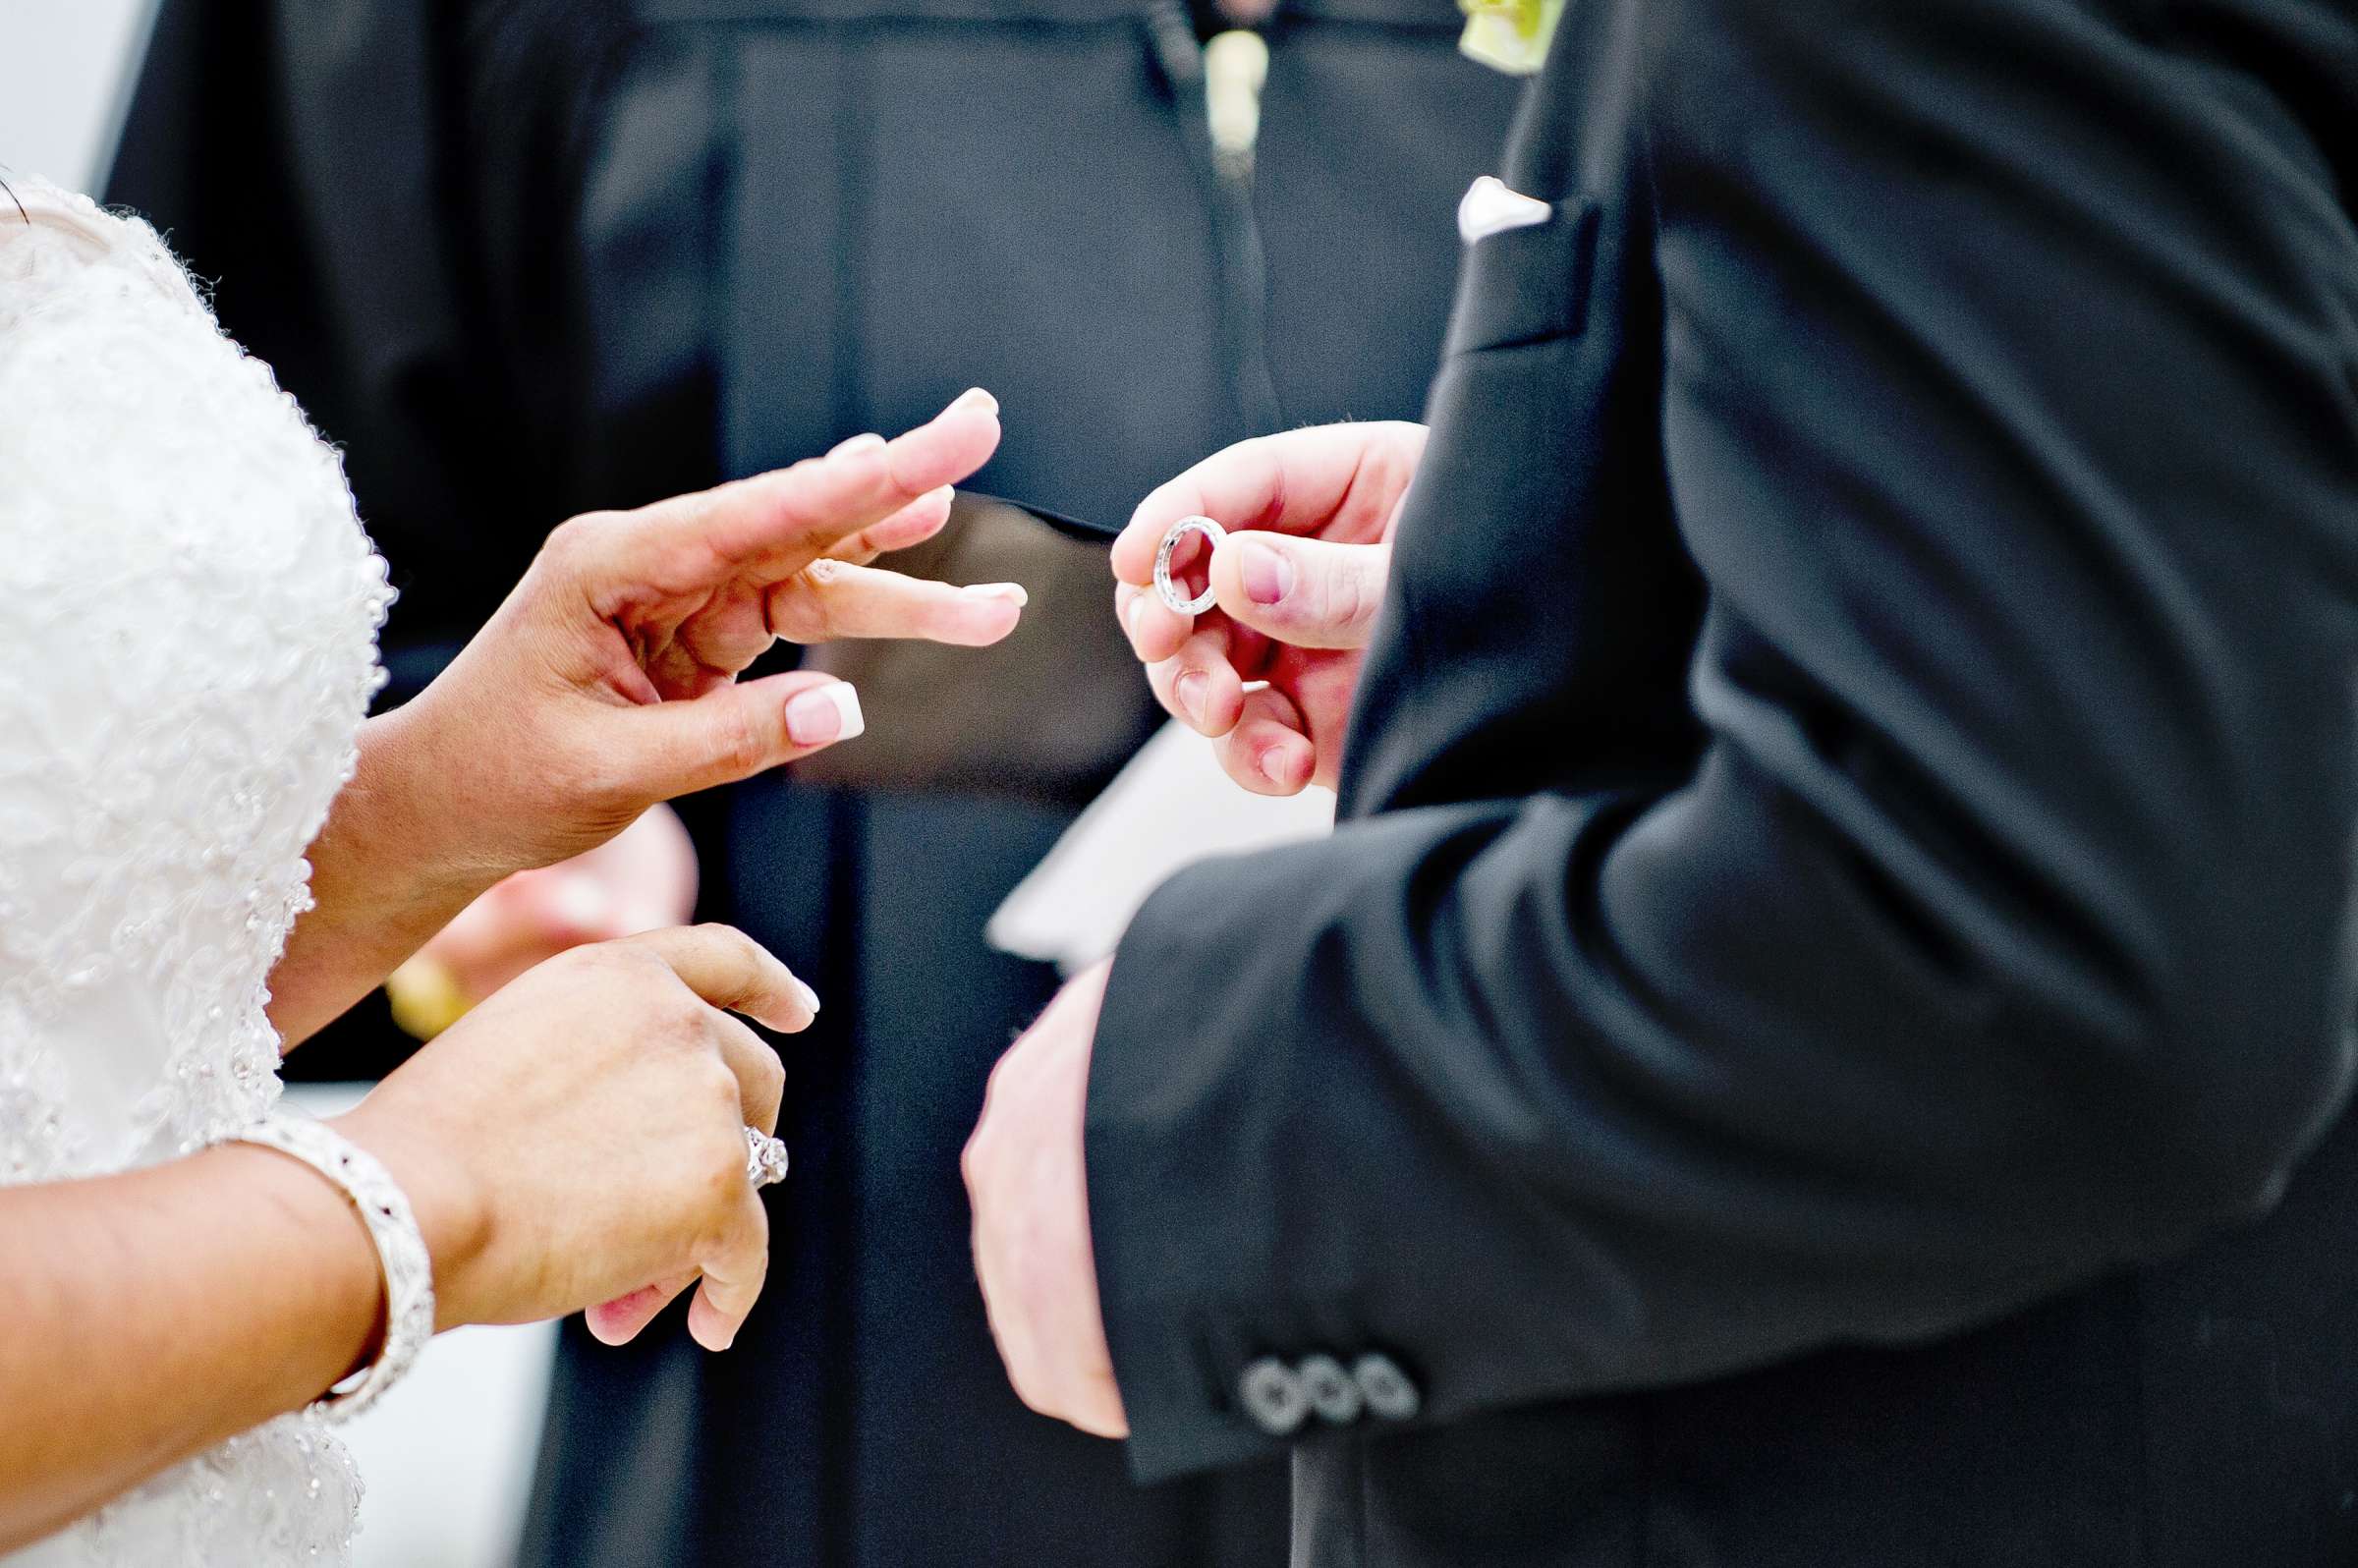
[1304, 592]
[737, 731]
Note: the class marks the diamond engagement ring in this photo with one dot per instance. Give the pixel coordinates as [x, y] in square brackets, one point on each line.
[1172, 594]
[765, 1158]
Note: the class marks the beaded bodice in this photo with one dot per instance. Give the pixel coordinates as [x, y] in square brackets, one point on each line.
[188, 620]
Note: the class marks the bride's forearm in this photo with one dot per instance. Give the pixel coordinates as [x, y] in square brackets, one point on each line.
[388, 870]
[153, 1314]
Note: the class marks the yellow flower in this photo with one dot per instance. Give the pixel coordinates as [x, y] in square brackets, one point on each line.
[1509, 35]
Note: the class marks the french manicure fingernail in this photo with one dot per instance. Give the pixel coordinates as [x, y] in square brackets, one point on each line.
[1268, 574]
[1012, 593]
[975, 398]
[859, 443]
[1191, 693]
[826, 714]
[805, 994]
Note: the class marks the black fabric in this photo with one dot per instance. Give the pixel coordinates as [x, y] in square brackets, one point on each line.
[1813, 1042]
[530, 257]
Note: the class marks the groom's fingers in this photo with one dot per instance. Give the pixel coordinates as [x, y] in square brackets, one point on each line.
[1153, 628]
[1198, 684]
[733, 1268]
[1341, 479]
[1269, 752]
[1303, 593]
[1265, 483]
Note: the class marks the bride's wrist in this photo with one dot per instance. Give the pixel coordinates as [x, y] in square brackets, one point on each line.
[350, 1285]
[452, 1217]
[440, 845]
[401, 854]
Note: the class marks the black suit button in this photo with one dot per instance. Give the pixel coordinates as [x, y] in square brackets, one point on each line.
[1273, 1396]
[1332, 1392]
[1391, 1393]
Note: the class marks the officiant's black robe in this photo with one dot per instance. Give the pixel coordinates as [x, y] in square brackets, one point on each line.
[525, 260]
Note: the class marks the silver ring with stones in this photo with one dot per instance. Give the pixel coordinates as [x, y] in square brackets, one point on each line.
[1164, 584]
[765, 1158]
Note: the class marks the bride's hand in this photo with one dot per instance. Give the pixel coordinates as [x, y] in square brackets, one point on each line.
[609, 680]
[580, 1137]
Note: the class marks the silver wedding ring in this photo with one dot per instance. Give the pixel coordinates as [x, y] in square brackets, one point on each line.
[765, 1158]
[1172, 595]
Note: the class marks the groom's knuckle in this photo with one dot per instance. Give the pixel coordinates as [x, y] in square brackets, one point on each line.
[1347, 597]
[1333, 599]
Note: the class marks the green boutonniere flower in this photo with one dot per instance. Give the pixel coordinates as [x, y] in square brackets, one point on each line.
[1509, 35]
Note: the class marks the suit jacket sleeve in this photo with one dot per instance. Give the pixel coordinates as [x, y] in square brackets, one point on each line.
[2001, 931]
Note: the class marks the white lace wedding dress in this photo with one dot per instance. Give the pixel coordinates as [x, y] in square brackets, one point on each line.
[188, 620]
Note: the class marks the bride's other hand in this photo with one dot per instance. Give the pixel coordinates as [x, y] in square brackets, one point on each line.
[609, 680]
[580, 1135]
[641, 879]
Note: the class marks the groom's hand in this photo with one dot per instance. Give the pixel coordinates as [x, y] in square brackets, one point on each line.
[1298, 581]
[1025, 1177]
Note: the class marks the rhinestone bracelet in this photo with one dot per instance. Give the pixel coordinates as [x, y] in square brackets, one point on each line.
[400, 1250]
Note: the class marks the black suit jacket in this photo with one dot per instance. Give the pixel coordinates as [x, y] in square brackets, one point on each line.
[1842, 932]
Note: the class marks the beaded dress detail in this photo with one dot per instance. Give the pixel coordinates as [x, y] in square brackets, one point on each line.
[188, 649]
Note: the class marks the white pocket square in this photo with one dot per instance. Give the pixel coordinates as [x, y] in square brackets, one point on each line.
[1493, 206]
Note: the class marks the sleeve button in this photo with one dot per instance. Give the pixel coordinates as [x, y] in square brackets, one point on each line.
[1392, 1394]
[1273, 1398]
[1332, 1391]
